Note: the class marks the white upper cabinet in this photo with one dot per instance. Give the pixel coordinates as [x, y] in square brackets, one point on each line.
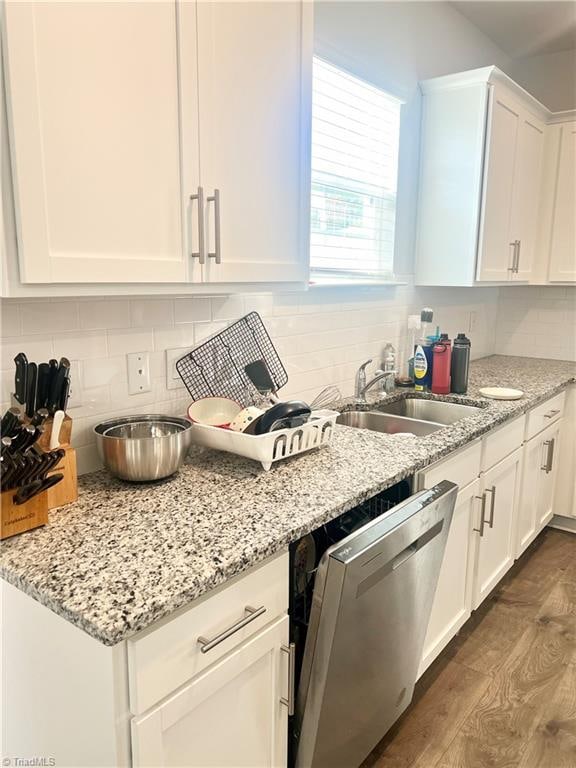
[514, 147]
[254, 123]
[562, 266]
[94, 118]
[480, 171]
[160, 142]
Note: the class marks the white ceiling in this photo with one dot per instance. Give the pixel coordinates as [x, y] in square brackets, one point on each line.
[524, 28]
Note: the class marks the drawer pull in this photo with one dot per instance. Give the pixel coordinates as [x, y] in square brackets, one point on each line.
[551, 414]
[291, 700]
[253, 613]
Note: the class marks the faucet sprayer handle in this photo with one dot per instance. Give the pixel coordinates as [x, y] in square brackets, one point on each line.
[363, 366]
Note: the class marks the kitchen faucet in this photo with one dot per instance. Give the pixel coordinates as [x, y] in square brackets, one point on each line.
[362, 386]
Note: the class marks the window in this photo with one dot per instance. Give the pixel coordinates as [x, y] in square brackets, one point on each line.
[355, 136]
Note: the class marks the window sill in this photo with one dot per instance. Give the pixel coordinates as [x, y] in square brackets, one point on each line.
[351, 283]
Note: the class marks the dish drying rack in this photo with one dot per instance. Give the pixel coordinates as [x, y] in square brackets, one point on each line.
[216, 368]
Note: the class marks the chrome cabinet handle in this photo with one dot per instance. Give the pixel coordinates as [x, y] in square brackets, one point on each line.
[208, 644]
[482, 519]
[217, 253]
[518, 247]
[551, 414]
[291, 700]
[551, 455]
[544, 467]
[512, 268]
[547, 467]
[492, 504]
[200, 255]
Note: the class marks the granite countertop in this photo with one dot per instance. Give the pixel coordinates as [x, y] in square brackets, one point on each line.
[124, 556]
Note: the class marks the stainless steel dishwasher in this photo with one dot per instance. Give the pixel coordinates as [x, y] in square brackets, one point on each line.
[371, 598]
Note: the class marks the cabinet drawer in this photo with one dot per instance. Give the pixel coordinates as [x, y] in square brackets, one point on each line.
[502, 442]
[544, 414]
[163, 658]
[462, 467]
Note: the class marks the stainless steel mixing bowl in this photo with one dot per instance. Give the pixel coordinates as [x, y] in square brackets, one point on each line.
[143, 448]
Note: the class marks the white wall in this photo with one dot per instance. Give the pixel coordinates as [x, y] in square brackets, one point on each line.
[537, 321]
[322, 335]
[550, 77]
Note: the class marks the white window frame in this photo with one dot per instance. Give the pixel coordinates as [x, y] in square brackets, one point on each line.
[319, 277]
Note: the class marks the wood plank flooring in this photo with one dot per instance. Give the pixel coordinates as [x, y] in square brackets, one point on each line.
[502, 694]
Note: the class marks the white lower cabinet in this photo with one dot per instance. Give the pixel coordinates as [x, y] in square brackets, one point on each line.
[565, 486]
[538, 483]
[230, 715]
[453, 598]
[500, 487]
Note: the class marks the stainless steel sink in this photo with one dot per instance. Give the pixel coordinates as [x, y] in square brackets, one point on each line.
[429, 410]
[385, 422]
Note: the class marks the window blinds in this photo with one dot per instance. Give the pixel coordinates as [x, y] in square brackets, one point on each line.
[355, 137]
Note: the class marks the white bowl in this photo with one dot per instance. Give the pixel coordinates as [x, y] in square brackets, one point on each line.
[214, 411]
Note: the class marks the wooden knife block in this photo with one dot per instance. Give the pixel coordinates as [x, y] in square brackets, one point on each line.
[66, 491]
[17, 518]
[65, 433]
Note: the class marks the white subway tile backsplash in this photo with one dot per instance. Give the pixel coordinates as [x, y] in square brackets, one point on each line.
[194, 310]
[81, 345]
[322, 336]
[39, 347]
[103, 371]
[49, 318]
[10, 319]
[104, 314]
[203, 330]
[227, 307]
[181, 335]
[151, 312]
[121, 341]
[537, 321]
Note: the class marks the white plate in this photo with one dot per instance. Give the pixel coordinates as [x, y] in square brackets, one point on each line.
[501, 393]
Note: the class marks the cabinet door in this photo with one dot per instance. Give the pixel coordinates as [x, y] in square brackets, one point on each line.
[495, 254]
[94, 112]
[526, 517]
[549, 442]
[453, 598]
[526, 193]
[255, 82]
[563, 244]
[495, 554]
[230, 716]
[565, 489]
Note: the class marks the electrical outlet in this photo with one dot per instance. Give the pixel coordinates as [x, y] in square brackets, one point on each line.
[138, 372]
[173, 380]
[472, 322]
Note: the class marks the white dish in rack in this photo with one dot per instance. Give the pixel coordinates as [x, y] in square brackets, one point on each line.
[274, 446]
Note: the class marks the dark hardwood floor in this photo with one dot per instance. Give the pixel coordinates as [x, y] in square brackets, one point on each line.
[502, 694]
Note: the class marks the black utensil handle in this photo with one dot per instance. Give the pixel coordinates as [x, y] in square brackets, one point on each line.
[38, 486]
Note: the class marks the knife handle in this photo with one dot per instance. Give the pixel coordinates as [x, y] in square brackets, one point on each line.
[56, 427]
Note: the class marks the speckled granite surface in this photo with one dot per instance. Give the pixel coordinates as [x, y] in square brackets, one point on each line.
[125, 555]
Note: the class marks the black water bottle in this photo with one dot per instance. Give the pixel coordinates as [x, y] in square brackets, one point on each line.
[460, 364]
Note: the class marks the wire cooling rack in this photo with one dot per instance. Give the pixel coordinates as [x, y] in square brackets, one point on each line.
[216, 367]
